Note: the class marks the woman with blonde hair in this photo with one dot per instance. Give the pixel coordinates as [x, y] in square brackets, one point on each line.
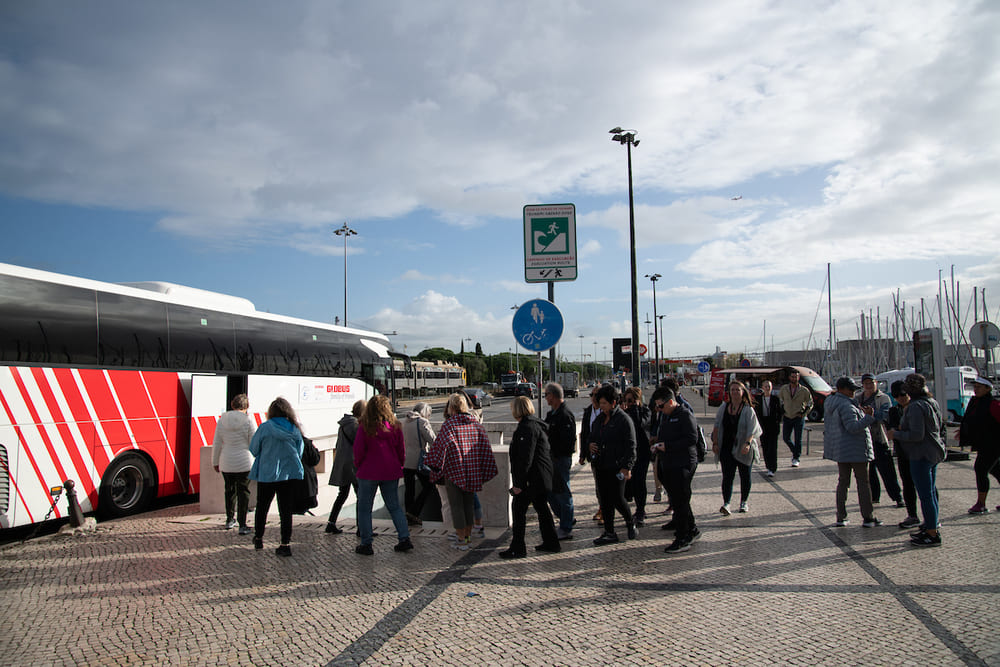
[735, 443]
[461, 455]
[378, 457]
[531, 479]
[417, 435]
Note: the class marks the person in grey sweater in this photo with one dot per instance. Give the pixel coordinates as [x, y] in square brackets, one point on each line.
[921, 434]
[343, 475]
[847, 441]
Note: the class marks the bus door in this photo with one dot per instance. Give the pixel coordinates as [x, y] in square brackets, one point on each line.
[208, 402]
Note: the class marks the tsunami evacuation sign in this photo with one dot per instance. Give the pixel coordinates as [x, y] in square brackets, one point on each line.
[549, 243]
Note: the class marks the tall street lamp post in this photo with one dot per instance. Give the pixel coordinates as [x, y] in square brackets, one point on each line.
[656, 337]
[345, 231]
[627, 137]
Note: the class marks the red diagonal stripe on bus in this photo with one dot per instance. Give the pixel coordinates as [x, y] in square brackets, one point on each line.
[69, 442]
[83, 419]
[16, 375]
[106, 410]
[24, 445]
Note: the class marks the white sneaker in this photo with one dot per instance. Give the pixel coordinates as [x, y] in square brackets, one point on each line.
[453, 537]
[795, 463]
[463, 544]
[231, 524]
[770, 473]
[724, 510]
[479, 531]
[743, 508]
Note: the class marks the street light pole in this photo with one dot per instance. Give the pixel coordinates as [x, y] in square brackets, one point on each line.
[656, 337]
[345, 231]
[627, 137]
[663, 349]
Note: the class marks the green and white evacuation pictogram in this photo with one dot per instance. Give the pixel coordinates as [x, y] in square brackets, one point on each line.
[549, 242]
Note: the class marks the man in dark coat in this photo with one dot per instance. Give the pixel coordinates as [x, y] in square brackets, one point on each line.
[562, 443]
[768, 411]
[677, 444]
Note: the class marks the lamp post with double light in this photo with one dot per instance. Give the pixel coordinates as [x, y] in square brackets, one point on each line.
[628, 139]
[345, 231]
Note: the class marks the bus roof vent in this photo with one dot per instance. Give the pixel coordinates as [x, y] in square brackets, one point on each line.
[192, 296]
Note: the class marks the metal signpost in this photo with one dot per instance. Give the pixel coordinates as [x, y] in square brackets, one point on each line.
[538, 326]
[550, 250]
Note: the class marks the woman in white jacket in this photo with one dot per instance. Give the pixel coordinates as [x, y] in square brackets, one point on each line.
[231, 456]
[735, 441]
[417, 435]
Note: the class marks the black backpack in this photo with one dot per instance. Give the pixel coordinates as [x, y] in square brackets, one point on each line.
[308, 487]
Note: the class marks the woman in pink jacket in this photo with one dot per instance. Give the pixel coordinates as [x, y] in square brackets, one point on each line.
[378, 458]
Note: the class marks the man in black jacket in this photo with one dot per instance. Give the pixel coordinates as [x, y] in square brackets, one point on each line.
[768, 410]
[612, 455]
[677, 444]
[562, 443]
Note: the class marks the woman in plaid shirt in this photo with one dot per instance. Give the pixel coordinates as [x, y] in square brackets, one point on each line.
[461, 455]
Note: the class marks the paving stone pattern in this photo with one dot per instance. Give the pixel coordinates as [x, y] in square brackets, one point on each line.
[778, 585]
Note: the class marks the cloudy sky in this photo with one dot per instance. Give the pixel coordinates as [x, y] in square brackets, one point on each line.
[218, 145]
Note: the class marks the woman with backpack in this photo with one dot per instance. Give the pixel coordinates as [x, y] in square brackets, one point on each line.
[277, 468]
[735, 442]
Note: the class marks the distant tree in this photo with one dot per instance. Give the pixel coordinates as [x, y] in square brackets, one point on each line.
[436, 354]
[479, 350]
[476, 371]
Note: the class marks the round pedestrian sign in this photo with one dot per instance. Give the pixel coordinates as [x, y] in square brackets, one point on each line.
[537, 325]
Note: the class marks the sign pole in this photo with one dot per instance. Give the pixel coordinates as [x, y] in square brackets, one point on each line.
[540, 381]
[552, 352]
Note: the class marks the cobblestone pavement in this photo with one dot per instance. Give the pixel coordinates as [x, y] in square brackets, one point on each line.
[776, 585]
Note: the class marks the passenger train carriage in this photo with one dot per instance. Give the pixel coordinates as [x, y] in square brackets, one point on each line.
[118, 387]
[428, 377]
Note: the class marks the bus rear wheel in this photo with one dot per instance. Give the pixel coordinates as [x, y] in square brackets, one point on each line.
[128, 486]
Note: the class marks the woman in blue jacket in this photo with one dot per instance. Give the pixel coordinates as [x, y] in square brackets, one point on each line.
[277, 447]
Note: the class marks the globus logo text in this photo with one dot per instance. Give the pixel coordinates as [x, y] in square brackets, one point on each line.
[338, 388]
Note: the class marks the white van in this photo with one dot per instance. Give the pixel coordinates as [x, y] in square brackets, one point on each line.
[958, 387]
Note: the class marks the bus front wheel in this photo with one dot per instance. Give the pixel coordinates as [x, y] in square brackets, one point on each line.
[128, 486]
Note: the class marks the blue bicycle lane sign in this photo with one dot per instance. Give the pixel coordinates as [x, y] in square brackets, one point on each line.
[537, 325]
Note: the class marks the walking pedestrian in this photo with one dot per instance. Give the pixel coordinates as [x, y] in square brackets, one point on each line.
[562, 446]
[796, 402]
[847, 441]
[883, 464]
[531, 480]
[636, 488]
[980, 430]
[277, 448]
[417, 435]
[461, 455]
[676, 442]
[612, 452]
[590, 416]
[735, 441]
[231, 456]
[378, 457]
[769, 417]
[343, 474]
[921, 432]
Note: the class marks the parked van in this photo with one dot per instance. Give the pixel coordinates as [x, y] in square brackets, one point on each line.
[958, 391]
[753, 377]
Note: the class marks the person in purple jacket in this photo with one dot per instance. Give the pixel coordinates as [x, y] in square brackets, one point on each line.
[378, 457]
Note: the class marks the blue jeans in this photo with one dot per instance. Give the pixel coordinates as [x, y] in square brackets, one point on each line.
[787, 427]
[924, 475]
[562, 503]
[390, 496]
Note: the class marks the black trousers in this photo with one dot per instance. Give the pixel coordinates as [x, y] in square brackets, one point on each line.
[266, 492]
[678, 484]
[987, 463]
[413, 502]
[909, 491]
[237, 495]
[341, 498]
[637, 485]
[769, 448]
[883, 465]
[612, 496]
[546, 524]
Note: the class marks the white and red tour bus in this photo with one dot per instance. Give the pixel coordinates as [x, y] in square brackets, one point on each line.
[118, 386]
